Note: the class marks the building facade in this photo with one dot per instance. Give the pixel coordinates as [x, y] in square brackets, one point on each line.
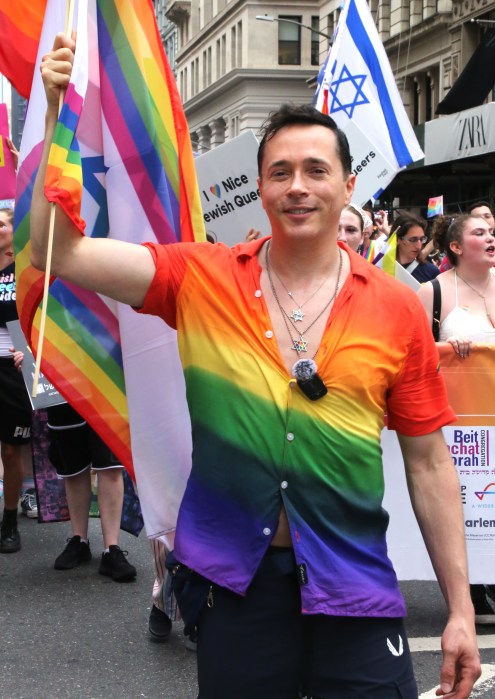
[232, 69]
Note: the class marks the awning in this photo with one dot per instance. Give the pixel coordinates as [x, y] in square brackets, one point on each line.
[476, 80]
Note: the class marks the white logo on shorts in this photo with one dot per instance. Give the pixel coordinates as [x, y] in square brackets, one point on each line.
[23, 432]
[394, 650]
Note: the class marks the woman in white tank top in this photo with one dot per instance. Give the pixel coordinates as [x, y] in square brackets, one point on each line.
[467, 315]
[468, 289]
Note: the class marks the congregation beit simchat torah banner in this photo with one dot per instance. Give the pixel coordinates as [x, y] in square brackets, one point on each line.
[471, 442]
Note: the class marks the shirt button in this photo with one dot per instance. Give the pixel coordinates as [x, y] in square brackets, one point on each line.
[290, 436]
[269, 334]
[257, 293]
[284, 484]
[267, 531]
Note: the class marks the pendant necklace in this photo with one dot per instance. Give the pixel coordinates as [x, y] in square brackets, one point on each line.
[299, 344]
[297, 313]
[481, 295]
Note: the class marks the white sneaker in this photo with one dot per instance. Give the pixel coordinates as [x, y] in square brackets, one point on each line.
[29, 506]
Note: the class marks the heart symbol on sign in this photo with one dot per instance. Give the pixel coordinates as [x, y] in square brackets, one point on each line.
[215, 189]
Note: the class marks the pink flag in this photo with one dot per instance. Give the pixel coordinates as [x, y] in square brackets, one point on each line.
[7, 168]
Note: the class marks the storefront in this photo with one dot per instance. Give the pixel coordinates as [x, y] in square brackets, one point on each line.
[459, 163]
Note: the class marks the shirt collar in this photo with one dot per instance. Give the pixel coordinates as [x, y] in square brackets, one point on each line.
[359, 266]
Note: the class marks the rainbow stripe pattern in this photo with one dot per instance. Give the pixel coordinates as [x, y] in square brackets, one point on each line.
[20, 29]
[435, 206]
[142, 107]
[122, 153]
[259, 443]
[64, 178]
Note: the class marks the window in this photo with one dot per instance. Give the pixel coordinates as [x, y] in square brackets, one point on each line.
[289, 41]
[207, 67]
[233, 45]
[239, 44]
[315, 41]
[234, 127]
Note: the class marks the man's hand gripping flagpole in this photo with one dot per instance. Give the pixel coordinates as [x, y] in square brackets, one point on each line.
[69, 19]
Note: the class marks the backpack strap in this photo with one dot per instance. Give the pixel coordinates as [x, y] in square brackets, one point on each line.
[437, 308]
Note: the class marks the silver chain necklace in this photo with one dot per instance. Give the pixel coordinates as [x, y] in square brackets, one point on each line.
[297, 313]
[481, 295]
[299, 345]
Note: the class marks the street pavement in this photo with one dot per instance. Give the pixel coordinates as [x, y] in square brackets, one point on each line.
[78, 635]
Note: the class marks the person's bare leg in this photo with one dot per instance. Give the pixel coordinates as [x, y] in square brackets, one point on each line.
[78, 491]
[110, 499]
[10, 540]
[13, 475]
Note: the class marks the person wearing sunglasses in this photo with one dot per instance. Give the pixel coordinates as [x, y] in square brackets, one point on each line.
[410, 230]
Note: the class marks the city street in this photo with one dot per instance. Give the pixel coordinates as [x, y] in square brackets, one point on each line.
[78, 635]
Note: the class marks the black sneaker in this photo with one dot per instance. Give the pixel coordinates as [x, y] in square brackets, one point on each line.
[483, 611]
[116, 566]
[10, 540]
[159, 625]
[75, 553]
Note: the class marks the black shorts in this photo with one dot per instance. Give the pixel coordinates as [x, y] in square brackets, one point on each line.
[74, 445]
[261, 645]
[15, 407]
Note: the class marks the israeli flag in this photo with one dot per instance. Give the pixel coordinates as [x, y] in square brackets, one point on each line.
[356, 87]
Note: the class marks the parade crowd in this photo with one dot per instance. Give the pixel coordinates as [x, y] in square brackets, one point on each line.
[294, 346]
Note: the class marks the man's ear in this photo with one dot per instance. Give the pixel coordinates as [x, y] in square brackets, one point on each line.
[349, 187]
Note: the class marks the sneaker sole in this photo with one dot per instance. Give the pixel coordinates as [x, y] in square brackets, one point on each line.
[31, 514]
[128, 577]
[159, 638]
[62, 566]
[10, 550]
[70, 567]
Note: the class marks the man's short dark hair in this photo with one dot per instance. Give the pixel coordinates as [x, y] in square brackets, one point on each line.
[304, 114]
[477, 204]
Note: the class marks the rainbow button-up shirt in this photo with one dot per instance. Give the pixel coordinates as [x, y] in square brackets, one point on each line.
[259, 444]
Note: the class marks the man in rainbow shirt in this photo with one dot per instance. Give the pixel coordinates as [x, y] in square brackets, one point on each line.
[291, 361]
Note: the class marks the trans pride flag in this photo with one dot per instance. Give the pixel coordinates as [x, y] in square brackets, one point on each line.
[121, 371]
[20, 29]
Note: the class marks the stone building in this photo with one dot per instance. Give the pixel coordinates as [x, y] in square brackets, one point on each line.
[232, 68]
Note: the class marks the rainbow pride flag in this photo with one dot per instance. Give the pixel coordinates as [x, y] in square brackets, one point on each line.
[370, 252]
[435, 206]
[120, 370]
[64, 178]
[20, 29]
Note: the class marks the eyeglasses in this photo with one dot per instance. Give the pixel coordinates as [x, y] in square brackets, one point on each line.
[415, 240]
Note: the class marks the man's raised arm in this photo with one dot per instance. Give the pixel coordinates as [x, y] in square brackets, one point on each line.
[120, 270]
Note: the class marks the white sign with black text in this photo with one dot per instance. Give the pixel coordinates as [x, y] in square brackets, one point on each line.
[230, 198]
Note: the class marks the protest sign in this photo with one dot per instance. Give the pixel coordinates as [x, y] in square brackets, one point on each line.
[47, 394]
[227, 180]
[471, 442]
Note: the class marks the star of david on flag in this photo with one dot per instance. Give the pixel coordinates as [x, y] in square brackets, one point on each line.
[356, 87]
[347, 93]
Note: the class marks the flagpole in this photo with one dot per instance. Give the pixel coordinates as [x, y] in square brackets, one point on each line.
[69, 18]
